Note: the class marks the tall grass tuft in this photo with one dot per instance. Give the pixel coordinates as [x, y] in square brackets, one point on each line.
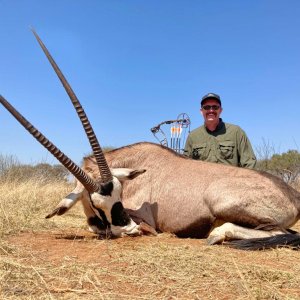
[23, 204]
[27, 194]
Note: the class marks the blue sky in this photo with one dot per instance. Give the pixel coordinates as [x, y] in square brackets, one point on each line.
[134, 64]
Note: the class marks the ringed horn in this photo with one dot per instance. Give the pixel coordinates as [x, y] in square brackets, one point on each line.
[87, 182]
[104, 170]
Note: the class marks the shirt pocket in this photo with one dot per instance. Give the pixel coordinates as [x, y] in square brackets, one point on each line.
[200, 151]
[226, 149]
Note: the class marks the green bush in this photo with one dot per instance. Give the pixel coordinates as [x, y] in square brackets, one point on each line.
[285, 165]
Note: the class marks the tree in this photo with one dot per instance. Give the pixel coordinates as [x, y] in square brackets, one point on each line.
[286, 165]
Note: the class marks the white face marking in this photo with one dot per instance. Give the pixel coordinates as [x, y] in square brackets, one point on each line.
[93, 202]
[131, 229]
[106, 203]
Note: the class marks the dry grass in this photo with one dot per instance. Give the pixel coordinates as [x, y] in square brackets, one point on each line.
[23, 204]
[59, 259]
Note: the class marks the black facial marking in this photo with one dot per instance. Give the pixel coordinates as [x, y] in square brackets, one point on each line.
[103, 217]
[118, 215]
[95, 221]
[106, 189]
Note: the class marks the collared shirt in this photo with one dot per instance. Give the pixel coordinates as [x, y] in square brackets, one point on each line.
[228, 144]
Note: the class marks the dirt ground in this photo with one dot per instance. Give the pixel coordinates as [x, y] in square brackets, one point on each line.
[79, 244]
[76, 264]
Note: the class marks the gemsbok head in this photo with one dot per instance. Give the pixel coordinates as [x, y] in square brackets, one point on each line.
[104, 193]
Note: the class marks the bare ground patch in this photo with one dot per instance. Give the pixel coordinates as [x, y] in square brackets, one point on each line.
[75, 264]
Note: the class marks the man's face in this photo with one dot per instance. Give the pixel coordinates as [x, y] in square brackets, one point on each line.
[211, 111]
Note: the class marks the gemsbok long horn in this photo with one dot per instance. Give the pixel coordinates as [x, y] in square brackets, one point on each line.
[87, 182]
[104, 170]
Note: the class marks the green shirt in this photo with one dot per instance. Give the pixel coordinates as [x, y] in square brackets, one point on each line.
[228, 144]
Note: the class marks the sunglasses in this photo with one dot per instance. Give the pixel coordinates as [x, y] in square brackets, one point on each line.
[209, 107]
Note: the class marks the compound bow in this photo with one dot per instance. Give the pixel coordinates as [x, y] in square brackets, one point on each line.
[177, 132]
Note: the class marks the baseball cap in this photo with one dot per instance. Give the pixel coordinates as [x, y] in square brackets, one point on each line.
[211, 96]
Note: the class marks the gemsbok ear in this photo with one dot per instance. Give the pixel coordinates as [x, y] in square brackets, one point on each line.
[124, 174]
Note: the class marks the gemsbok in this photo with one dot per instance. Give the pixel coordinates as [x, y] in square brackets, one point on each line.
[247, 208]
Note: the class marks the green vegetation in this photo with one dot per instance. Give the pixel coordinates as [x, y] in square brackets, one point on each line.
[285, 165]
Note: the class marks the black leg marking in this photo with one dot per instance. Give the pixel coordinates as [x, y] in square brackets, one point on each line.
[57, 211]
[119, 216]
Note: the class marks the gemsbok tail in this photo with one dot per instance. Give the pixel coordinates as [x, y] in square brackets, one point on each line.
[278, 241]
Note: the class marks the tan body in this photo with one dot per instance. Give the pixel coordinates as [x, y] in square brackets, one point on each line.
[189, 198]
